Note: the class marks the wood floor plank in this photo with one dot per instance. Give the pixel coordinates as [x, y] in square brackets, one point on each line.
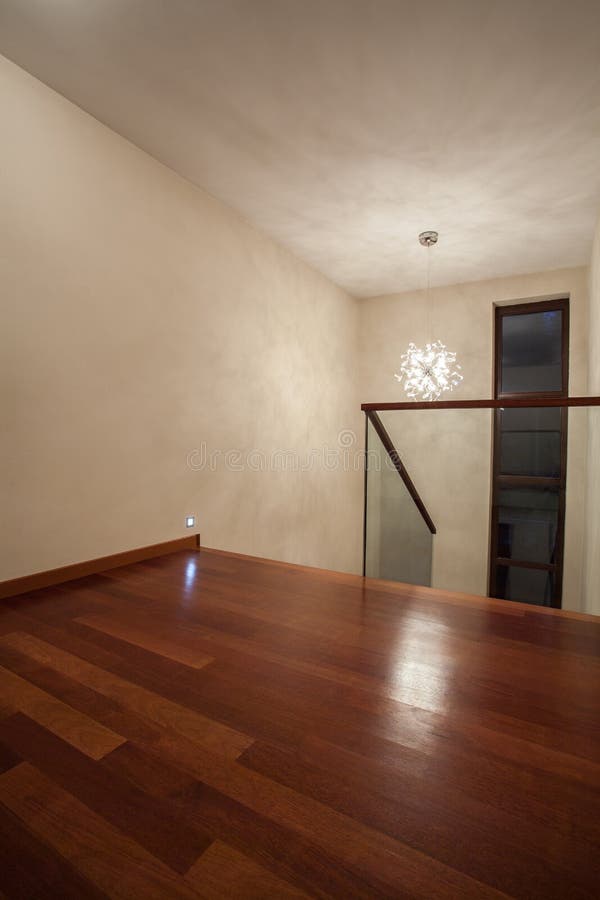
[8, 758]
[192, 725]
[75, 727]
[30, 870]
[272, 709]
[482, 760]
[265, 836]
[356, 847]
[427, 682]
[294, 858]
[6, 709]
[435, 818]
[153, 774]
[155, 643]
[223, 872]
[152, 822]
[285, 731]
[280, 664]
[102, 709]
[128, 661]
[111, 860]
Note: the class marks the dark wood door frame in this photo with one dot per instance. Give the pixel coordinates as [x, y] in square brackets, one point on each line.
[498, 479]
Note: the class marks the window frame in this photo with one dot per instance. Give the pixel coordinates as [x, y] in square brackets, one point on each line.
[522, 309]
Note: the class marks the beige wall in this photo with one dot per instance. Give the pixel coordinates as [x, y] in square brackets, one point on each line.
[448, 453]
[140, 318]
[592, 523]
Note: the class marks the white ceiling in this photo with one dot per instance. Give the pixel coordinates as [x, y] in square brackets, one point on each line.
[344, 127]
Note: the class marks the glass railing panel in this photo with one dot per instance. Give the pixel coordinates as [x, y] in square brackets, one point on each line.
[590, 544]
[398, 543]
[522, 524]
[448, 453]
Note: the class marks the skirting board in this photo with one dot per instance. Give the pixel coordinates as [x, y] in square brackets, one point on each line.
[38, 580]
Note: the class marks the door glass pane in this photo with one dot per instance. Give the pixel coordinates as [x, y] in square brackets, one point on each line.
[527, 585]
[527, 524]
[532, 352]
[530, 442]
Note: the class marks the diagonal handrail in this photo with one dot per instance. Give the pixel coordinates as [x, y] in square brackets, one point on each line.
[400, 467]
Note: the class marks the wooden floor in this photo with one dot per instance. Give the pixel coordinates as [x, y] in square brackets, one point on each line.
[208, 725]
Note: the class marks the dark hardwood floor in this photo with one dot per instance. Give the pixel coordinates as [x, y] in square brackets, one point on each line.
[208, 725]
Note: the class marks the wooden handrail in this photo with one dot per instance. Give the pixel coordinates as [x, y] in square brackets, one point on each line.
[500, 403]
[400, 468]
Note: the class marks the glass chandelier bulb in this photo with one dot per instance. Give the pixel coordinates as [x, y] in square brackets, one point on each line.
[427, 372]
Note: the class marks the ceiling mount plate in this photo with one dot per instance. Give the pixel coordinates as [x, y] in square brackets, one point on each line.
[428, 238]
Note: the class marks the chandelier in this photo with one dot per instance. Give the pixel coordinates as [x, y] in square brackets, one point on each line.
[429, 371]
[426, 372]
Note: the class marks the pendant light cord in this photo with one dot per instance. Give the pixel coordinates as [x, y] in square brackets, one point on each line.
[428, 295]
[428, 239]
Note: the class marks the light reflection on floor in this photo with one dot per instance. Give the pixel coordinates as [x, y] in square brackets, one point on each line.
[190, 575]
[421, 672]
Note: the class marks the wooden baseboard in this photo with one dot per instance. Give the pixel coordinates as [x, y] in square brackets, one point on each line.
[39, 580]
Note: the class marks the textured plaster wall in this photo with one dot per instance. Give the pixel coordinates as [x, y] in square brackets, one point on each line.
[448, 453]
[140, 319]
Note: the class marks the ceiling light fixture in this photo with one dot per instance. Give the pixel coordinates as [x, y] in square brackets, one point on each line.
[426, 372]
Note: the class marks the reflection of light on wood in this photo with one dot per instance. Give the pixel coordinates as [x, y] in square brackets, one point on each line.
[190, 574]
[422, 664]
